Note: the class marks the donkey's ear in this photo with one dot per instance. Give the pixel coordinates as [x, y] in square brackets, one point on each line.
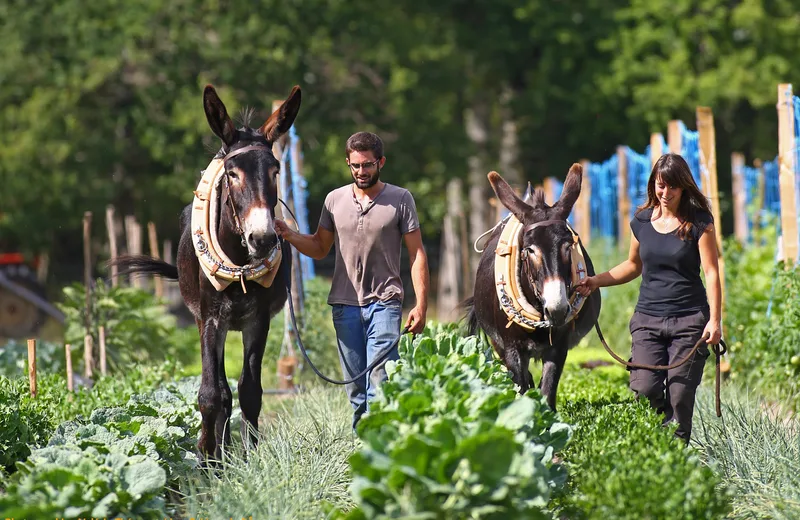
[507, 196]
[281, 120]
[217, 116]
[570, 191]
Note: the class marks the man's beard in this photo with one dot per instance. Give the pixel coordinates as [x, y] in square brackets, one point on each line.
[366, 184]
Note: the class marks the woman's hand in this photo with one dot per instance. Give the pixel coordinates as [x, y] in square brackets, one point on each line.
[713, 330]
[587, 285]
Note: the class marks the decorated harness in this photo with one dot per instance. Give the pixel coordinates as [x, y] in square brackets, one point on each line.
[508, 266]
[206, 208]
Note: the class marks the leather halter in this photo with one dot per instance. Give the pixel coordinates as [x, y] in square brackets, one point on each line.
[508, 280]
[216, 265]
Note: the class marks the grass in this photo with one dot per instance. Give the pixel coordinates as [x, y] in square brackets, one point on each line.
[756, 453]
[299, 467]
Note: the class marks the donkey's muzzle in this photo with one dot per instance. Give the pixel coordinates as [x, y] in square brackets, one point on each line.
[555, 301]
[261, 243]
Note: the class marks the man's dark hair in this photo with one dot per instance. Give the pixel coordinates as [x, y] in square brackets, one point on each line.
[364, 142]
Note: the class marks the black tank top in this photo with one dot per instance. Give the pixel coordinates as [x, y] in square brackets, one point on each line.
[671, 283]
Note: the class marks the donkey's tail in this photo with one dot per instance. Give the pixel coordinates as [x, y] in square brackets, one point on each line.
[143, 264]
[470, 317]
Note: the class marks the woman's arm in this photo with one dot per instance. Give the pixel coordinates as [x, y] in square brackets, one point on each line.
[617, 275]
[709, 258]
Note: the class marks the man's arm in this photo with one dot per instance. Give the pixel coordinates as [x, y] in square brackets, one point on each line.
[420, 278]
[317, 246]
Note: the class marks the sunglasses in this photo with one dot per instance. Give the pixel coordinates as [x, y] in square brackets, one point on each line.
[364, 165]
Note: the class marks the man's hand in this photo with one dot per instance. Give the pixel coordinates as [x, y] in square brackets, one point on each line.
[282, 229]
[416, 320]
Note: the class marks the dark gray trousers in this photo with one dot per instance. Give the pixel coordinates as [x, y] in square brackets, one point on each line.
[663, 340]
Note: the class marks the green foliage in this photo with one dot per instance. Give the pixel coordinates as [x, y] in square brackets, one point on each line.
[768, 357]
[22, 422]
[622, 463]
[27, 422]
[450, 437]
[763, 347]
[138, 328]
[750, 273]
[50, 358]
[755, 448]
[106, 109]
[116, 462]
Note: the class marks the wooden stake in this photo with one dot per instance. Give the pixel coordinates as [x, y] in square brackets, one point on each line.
[656, 148]
[102, 337]
[32, 365]
[87, 280]
[157, 281]
[623, 200]
[708, 163]
[549, 190]
[674, 137]
[739, 189]
[583, 207]
[70, 385]
[786, 160]
[42, 267]
[112, 243]
[759, 194]
[133, 235]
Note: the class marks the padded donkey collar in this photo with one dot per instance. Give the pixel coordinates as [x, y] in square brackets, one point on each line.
[218, 268]
[507, 276]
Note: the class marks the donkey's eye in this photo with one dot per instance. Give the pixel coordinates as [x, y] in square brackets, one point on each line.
[233, 175]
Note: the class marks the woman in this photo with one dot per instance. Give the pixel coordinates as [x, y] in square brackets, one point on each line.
[673, 234]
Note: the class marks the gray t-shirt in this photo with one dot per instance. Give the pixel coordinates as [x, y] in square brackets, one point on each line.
[368, 242]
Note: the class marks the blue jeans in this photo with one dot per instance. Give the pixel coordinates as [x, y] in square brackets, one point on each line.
[363, 334]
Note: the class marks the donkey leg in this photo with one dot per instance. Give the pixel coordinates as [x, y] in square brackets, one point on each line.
[254, 337]
[517, 365]
[222, 426]
[553, 360]
[209, 398]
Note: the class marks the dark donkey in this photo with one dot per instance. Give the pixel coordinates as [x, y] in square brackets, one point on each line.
[250, 187]
[545, 250]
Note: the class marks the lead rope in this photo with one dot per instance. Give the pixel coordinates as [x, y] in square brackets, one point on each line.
[719, 350]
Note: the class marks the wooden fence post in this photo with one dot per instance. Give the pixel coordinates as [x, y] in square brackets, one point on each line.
[133, 235]
[623, 200]
[760, 193]
[32, 365]
[87, 280]
[550, 191]
[68, 360]
[656, 148]
[786, 165]
[708, 163]
[583, 213]
[158, 283]
[112, 243]
[674, 140]
[739, 189]
[450, 276]
[101, 332]
[288, 361]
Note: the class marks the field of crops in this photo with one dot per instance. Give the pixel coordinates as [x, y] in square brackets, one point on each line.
[448, 437]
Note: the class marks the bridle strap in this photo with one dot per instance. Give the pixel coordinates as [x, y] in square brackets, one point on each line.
[543, 223]
[234, 153]
[244, 149]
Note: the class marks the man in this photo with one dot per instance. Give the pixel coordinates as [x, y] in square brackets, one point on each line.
[367, 220]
